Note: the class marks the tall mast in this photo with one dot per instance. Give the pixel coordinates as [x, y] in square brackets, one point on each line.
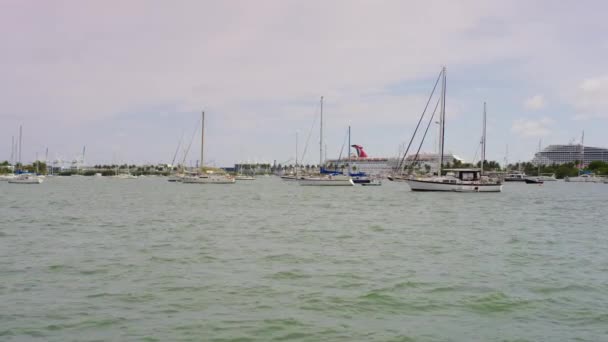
[442, 122]
[583, 150]
[13, 150]
[202, 139]
[538, 160]
[321, 139]
[349, 151]
[297, 168]
[483, 139]
[20, 138]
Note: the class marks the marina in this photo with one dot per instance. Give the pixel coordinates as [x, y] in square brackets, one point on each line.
[303, 171]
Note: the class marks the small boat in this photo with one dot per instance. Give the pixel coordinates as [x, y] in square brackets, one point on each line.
[98, 174]
[585, 178]
[209, 179]
[372, 182]
[533, 180]
[515, 177]
[175, 178]
[330, 180]
[26, 179]
[125, 176]
[244, 178]
[7, 177]
[547, 177]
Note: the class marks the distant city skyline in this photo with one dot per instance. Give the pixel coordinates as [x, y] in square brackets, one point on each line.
[127, 79]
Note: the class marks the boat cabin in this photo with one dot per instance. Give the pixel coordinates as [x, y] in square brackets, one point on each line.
[465, 175]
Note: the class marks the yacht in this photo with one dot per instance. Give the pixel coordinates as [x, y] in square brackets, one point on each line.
[516, 176]
[585, 178]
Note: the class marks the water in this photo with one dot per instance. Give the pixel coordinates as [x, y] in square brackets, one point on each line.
[93, 259]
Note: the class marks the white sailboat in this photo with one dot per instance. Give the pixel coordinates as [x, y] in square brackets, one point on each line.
[325, 180]
[24, 178]
[456, 180]
[207, 178]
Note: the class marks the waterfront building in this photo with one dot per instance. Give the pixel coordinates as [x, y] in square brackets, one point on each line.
[561, 154]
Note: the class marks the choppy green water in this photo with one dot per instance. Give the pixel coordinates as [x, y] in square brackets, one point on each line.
[102, 259]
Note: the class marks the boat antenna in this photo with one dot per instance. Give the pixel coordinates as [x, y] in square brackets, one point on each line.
[401, 165]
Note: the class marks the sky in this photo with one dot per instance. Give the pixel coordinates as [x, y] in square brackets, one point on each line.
[127, 79]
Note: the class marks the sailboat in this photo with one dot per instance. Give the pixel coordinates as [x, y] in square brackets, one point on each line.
[325, 180]
[24, 177]
[207, 178]
[537, 179]
[243, 177]
[457, 180]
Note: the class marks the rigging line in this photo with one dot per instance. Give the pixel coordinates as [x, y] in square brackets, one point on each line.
[341, 149]
[415, 161]
[179, 144]
[191, 140]
[308, 139]
[419, 121]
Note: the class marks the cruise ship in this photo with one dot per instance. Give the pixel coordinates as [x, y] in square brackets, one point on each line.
[382, 167]
[561, 154]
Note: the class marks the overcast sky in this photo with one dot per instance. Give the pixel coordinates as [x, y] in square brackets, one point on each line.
[128, 78]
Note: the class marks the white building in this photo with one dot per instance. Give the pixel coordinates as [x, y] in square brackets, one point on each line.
[561, 154]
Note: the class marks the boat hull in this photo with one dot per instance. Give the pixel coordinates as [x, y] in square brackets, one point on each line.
[28, 180]
[208, 180]
[326, 182]
[423, 185]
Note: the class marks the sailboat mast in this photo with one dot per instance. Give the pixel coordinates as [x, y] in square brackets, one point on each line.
[202, 139]
[442, 123]
[349, 168]
[483, 139]
[297, 168]
[321, 137]
[583, 150]
[13, 150]
[20, 138]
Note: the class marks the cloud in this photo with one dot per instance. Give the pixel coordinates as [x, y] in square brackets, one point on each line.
[536, 102]
[532, 128]
[258, 68]
[590, 98]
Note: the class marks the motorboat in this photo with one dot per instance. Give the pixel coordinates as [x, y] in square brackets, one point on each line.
[515, 177]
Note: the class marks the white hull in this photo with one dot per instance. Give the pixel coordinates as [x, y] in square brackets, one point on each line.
[124, 177]
[7, 177]
[25, 180]
[208, 180]
[244, 178]
[326, 181]
[433, 185]
[584, 179]
[175, 178]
